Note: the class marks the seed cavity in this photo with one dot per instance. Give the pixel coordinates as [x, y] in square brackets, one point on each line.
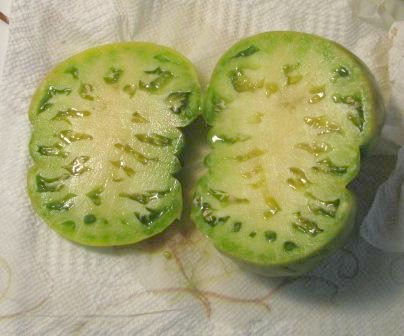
[137, 118]
[270, 236]
[256, 152]
[95, 195]
[63, 204]
[113, 75]
[251, 50]
[299, 181]
[45, 103]
[64, 115]
[78, 166]
[219, 104]
[179, 102]
[69, 136]
[242, 83]
[152, 216]
[53, 184]
[323, 124]
[143, 159]
[226, 198]
[146, 197]
[271, 88]
[260, 183]
[130, 89]
[321, 207]
[220, 138]
[272, 207]
[89, 219]
[236, 227]
[339, 72]
[354, 101]
[289, 246]
[162, 79]
[315, 148]
[255, 171]
[306, 225]
[52, 150]
[207, 211]
[86, 91]
[327, 166]
[318, 94]
[122, 165]
[73, 71]
[162, 58]
[154, 139]
[291, 73]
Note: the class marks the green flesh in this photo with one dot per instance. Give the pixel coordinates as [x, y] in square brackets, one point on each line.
[105, 141]
[289, 114]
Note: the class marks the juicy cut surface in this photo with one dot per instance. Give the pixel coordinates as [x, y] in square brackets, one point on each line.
[105, 141]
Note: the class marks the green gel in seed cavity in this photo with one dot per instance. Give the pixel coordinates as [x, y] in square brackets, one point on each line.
[242, 83]
[86, 91]
[252, 234]
[152, 216]
[162, 58]
[52, 92]
[113, 75]
[162, 79]
[327, 166]
[178, 101]
[251, 50]
[73, 71]
[321, 207]
[78, 166]
[122, 165]
[137, 118]
[237, 226]
[289, 246]
[95, 195]
[53, 150]
[270, 236]
[69, 136]
[323, 124]
[44, 184]
[89, 219]
[154, 139]
[64, 115]
[145, 197]
[66, 203]
[306, 226]
[130, 89]
[143, 159]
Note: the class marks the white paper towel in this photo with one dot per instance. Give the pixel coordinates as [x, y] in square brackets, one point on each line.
[50, 286]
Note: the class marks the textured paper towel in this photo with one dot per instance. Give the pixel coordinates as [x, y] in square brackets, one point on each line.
[49, 286]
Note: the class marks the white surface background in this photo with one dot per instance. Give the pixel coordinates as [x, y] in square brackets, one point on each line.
[50, 286]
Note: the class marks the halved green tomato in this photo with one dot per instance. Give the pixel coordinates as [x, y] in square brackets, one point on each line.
[289, 113]
[105, 140]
